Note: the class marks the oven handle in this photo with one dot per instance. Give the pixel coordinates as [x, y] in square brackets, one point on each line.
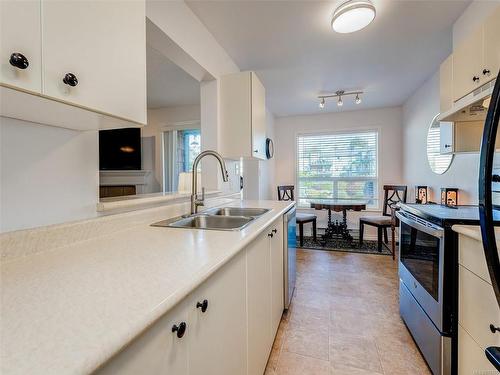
[412, 223]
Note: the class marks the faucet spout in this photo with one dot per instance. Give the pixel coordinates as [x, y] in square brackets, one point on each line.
[195, 201]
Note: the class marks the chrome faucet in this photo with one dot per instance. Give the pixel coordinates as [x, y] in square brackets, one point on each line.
[195, 201]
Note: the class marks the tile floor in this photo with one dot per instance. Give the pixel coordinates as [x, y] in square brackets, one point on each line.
[344, 320]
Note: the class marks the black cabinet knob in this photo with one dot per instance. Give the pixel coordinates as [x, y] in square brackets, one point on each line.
[475, 79]
[486, 72]
[274, 231]
[180, 329]
[19, 60]
[270, 235]
[447, 146]
[202, 305]
[494, 329]
[70, 79]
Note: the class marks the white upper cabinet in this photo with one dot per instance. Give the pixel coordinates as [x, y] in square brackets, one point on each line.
[243, 116]
[86, 62]
[467, 65]
[103, 45]
[476, 60]
[446, 84]
[20, 42]
[491, 35]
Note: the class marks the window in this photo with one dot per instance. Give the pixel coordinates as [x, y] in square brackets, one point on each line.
[337, 166]
[180, 148]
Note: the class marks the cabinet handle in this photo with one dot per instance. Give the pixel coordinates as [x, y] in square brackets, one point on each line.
[19, 60]
[202, 305]
[180, 329]
[255, 151]
[274, 231]
[486, 72]
[475, 79]
[70, 79]
[270, 235]
[494, 329]
[447, 146]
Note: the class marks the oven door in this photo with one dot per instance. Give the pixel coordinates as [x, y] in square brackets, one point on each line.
[421, 264]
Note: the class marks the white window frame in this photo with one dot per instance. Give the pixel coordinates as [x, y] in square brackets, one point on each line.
[377, 130]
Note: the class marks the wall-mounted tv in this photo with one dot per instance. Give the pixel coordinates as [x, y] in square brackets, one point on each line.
[120, 149]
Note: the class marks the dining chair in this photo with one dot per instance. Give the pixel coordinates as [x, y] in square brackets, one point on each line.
[285, 193]
[393, 194]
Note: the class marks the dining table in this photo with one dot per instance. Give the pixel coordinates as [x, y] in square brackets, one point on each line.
[337, 229]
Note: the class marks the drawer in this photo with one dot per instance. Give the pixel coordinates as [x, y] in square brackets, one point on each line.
[471, 256]
[478, 308]
[471, 358]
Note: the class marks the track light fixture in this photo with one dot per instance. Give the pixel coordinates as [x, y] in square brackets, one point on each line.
[339, 94]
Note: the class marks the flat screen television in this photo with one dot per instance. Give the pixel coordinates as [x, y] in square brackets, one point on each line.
[120, 149]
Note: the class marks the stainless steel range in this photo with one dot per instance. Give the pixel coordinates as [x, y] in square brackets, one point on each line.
[422, 303]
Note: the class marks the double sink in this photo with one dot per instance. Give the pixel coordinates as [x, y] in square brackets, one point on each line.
[219, 218]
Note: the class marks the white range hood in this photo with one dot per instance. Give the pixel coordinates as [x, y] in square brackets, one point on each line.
[472, 107]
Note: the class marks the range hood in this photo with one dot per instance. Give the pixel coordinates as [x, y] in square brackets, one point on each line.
[472, 107]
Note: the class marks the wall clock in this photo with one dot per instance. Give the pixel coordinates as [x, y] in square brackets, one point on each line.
[269, 148]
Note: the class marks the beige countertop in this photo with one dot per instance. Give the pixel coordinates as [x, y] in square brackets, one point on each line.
[69, 309]
[474, 231]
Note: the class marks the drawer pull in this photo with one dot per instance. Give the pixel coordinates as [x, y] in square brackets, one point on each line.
[486, 72]
[270, 235]
[494, 329]
[180, 329]
[70, 79]
[202, 305]
[19, 60]
[475, 79]
[274, 231]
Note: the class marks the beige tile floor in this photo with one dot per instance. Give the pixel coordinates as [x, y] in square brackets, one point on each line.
[344, 320]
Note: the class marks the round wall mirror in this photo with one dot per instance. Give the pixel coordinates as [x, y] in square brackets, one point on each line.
[438, 162]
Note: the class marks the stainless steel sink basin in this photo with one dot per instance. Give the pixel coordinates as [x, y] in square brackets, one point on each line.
[203, 221]
[237, 211]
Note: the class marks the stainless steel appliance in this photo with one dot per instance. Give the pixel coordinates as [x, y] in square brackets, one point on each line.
[423, 305]
[289, 256]
[487, 198]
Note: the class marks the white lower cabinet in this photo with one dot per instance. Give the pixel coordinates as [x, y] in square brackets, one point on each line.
[259, 303]
[277, 287]
[157, 351]
[228, 322]
[218, 336]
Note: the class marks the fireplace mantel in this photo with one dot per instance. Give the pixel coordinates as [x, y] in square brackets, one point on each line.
[138, 178]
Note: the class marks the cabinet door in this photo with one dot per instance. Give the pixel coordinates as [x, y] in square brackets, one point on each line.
[258, 304]
[103, 43]
[156, 351]
[258, 118]
[491, 46]
[446, 135]
[218, 336]
[277, 276]
[20, 33]
[446, 84]
[467, 65]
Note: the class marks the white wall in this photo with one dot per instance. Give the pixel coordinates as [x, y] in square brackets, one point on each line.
[48, 175]
[388, 121]
[267, 186]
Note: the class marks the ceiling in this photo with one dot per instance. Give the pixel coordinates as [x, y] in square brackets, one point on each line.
[169, 85]
[294, 51]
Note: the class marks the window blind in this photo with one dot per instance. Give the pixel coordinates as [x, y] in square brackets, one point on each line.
[337, 166]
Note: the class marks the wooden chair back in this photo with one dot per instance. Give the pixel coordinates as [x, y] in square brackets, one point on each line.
[285, 193]
[393, 194]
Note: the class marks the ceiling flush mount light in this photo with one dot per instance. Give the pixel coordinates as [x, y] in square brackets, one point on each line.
[339, 94]
[353, 15]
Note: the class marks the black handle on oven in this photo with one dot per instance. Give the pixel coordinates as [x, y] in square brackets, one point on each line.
[486, 203]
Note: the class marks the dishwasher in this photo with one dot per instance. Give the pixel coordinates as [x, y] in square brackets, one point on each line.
[289, 256]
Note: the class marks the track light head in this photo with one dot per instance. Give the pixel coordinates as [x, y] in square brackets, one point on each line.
[340, 103]
[358, 99]
[322, 103]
